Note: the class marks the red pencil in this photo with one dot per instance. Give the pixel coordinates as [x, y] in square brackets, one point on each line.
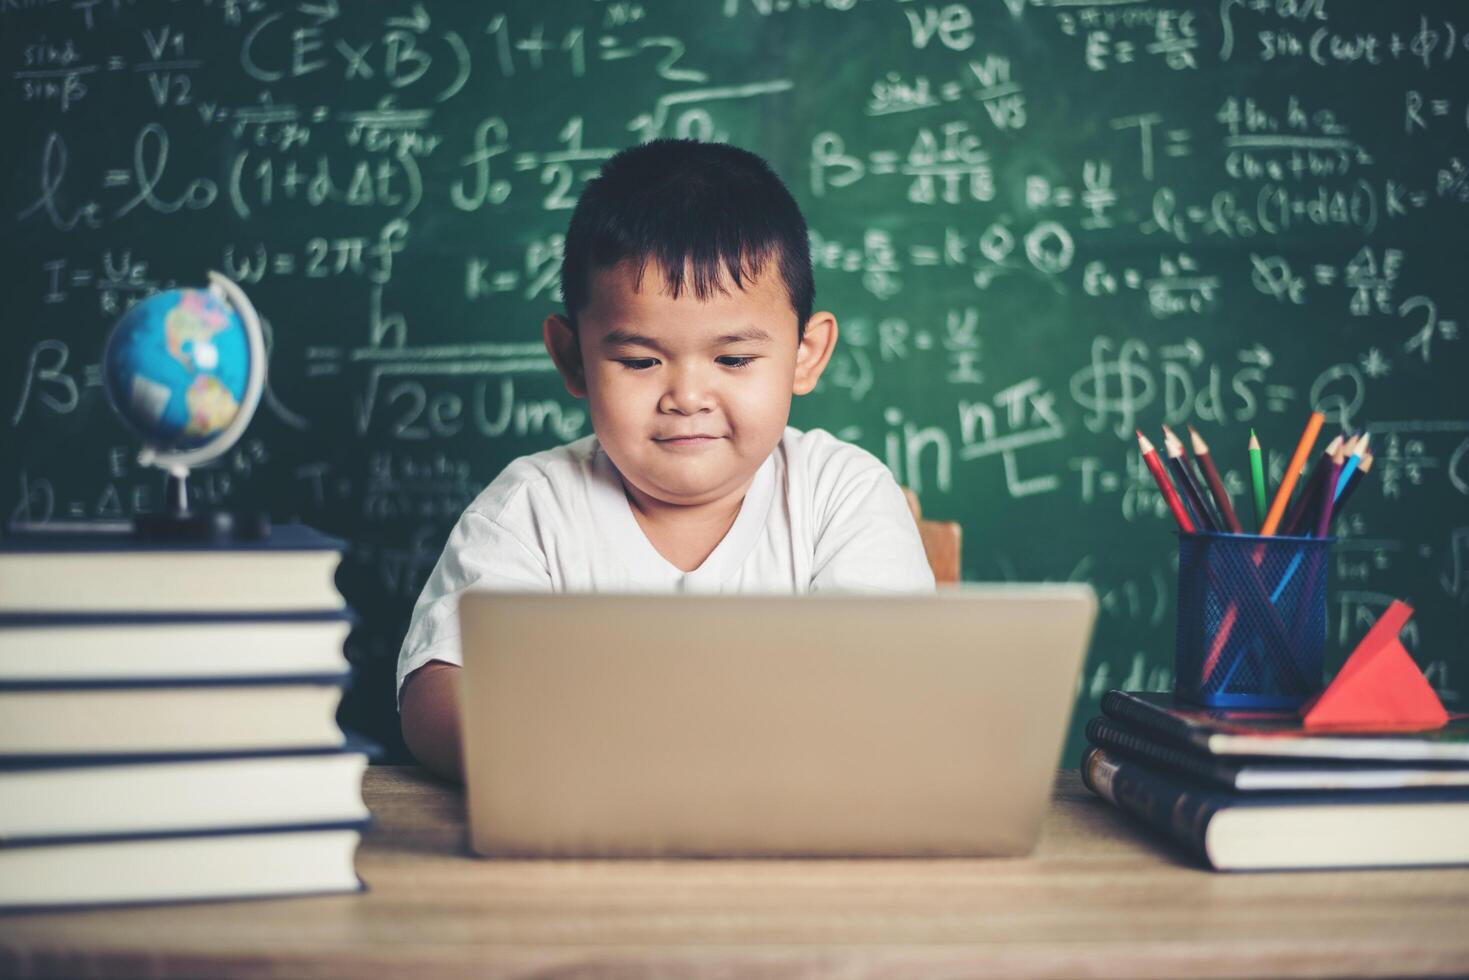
[1206, 466]
[1155, 466]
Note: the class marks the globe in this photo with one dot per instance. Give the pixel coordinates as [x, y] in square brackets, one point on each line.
[181, 370]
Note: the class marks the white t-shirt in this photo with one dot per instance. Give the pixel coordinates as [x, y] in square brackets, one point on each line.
[821, 515]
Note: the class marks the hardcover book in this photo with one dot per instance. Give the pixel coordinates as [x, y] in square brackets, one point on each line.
[120, 717]
[1265, 831]
[292, 570]
[90, 796]
[305, 860]
[161, 646]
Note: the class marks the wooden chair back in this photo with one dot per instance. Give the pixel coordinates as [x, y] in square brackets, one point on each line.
[941, 541]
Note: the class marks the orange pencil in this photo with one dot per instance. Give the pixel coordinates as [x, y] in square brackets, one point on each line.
[1155, 466]
[1292, 474]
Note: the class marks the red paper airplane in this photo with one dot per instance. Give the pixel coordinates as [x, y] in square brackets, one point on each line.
[1379, 686]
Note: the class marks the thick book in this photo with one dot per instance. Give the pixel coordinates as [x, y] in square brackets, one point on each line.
[291, 571]
[106, 646]
[1284, 831]
[92, 796]
[280, 861]
[1279, 733]
[1252, 774]
[124, 717]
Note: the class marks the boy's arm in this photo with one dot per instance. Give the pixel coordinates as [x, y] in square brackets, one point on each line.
[430, 715]
[481, 553]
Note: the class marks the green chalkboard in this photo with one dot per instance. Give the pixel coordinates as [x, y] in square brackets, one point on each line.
[1040, 225]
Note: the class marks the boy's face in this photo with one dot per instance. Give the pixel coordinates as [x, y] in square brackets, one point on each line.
[688, 398]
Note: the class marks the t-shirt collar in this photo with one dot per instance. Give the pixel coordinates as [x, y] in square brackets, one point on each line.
[614, 513]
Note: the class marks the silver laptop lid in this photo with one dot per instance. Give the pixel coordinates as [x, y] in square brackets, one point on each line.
[616, 725]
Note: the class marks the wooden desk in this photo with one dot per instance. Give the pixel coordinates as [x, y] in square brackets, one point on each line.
[1097, 898]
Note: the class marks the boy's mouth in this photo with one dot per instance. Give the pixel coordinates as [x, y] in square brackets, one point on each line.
[692, 439]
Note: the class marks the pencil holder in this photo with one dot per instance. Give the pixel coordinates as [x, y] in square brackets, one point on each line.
[1251, 619]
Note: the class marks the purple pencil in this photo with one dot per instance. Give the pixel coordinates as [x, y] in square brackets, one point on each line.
[1333, 472]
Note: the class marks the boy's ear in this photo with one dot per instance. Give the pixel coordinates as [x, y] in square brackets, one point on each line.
[561, 344]
[814, 351]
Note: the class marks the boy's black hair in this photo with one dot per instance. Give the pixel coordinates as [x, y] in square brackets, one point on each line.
[717, 209]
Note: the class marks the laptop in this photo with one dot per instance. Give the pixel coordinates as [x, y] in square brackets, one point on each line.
[742, 726]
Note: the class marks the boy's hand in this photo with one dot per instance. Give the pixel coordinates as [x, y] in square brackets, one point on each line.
[430, 717]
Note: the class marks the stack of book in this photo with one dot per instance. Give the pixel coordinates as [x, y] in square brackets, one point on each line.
[1255, 790]
[168, 720]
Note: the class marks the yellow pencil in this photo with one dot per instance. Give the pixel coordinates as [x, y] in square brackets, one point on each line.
[1292, 474]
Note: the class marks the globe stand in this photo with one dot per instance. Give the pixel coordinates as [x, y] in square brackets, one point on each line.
[178, 523]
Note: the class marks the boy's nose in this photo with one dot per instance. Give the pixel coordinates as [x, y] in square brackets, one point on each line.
[688, 392]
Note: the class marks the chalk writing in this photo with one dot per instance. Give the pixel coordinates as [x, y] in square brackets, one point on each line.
[1040, 224]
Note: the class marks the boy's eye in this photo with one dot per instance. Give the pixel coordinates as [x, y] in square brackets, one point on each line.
[636, 363]
[736, 362]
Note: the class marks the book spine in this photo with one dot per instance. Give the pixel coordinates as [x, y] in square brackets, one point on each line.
[1166, 806]
[1130, 710]
[1101, 732]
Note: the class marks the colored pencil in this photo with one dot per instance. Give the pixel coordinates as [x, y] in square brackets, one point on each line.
[1321, 527]
[1306, 504]
[1206, 466]
[1178, 466]
[1257, 479]
[1351, 464]
[1363, 469]
[1170, 495]
[1328, 500]
[1292, 474]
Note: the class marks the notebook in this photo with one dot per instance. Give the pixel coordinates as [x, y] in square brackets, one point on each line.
[1278, 733]
[826, 725]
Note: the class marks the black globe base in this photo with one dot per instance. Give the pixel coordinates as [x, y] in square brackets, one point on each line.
[179, 523]
[215, 526]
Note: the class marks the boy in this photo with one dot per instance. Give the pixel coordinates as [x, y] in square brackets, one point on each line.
[688, 327]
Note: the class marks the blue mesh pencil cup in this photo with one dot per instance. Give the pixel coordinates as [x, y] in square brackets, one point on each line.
[1251, 619]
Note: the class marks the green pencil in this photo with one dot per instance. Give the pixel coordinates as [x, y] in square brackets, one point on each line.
[1257, 477]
